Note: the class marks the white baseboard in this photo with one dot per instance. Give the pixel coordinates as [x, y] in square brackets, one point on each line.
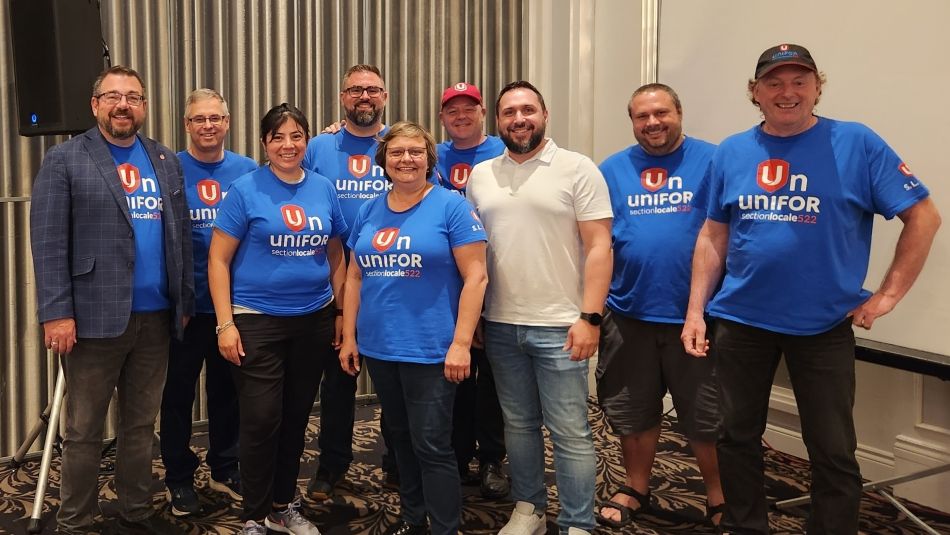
[913, 454]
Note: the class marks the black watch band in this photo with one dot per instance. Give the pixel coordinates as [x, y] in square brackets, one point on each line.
[594, 318]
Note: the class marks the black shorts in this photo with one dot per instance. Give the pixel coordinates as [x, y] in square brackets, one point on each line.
[639, 361]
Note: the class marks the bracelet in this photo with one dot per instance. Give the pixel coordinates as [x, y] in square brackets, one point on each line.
[339, 312]
[218, 329]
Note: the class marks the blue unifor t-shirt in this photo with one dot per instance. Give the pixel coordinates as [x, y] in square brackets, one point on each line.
[205, 185]
[455, 165]
[350, 163]
[281, 267]
[659, 207]
[143, 196]
[410, 288]
[800, 211]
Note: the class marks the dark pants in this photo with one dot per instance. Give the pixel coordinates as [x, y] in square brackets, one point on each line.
[133, 364]
[337, 405]
[277, 383]
[821, 368]
[477, 416]
[185, 359]
[417, 400]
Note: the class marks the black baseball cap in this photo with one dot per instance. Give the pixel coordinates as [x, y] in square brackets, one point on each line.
[786, 54]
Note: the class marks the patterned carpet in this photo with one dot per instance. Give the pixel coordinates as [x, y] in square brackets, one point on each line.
[364, 506]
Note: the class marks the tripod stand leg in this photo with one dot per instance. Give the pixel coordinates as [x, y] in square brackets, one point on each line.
[17, 460]
[43, 478]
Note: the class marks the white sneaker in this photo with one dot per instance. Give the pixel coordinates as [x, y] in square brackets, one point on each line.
[253, 528]
[577, 531]
[524, 521]
[290, 521]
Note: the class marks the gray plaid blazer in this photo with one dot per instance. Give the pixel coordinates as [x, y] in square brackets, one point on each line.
[82, 240]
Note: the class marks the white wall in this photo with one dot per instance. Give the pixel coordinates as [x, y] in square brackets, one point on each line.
[886, 66]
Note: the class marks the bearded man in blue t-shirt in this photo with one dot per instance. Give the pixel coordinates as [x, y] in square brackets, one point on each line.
[788, 234]
[657, 192]
[345, 156]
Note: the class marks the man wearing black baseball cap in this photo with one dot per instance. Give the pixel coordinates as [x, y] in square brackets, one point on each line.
[788, 234]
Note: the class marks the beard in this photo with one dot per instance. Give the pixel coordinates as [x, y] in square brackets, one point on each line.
[364, 118]
[116, 132]
[523, 148]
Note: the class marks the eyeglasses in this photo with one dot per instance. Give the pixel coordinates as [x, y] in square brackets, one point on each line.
[397, 154]
[357, 91]
[112, 98]
[201, 119]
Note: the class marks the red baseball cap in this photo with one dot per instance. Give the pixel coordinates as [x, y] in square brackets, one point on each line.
[461, 89]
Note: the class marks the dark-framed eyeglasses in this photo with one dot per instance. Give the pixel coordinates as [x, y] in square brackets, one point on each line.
[114, 97]
[356, 91]
[200, 120]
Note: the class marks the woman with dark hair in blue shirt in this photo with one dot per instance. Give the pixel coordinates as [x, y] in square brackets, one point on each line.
[274, 266]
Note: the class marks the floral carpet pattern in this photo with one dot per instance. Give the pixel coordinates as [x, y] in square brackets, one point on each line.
[362, 505]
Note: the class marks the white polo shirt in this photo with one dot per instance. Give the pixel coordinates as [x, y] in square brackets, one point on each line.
[535, 252]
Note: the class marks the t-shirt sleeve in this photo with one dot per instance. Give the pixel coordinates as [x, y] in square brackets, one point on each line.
[893, 187]
[713, 184]
[464, 225]
[310, 155]
[591, 197]
[232, 216]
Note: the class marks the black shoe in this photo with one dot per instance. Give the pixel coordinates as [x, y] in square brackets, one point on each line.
[153, 525]
[95, 529]
[405, 528]
[183, 500]
[494, 482]
[468, 478]
[322, 483]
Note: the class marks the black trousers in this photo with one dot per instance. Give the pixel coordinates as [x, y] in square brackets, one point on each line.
[185, 359]
[277, 384]
[337, 406]
[821, 368]
[477, 416]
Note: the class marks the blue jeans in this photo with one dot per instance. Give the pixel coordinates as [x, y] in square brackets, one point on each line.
[417, 400]
[538, 383]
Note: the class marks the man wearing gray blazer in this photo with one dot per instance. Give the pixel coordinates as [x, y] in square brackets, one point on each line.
[112, 255]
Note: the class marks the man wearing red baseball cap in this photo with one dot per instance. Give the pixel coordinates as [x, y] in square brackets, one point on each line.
[788, 235]
[477, 415]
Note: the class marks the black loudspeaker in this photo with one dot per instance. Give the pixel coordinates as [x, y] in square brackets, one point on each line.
[57, 55]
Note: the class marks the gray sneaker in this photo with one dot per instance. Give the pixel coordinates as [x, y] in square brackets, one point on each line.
[253, 528]
[290, 521]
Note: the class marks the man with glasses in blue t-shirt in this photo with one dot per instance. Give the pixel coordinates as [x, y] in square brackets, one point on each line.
[209, 170]
[788, 234]
[346, 158]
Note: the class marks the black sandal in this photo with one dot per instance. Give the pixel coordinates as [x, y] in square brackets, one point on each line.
[626, 512]
[713, 510]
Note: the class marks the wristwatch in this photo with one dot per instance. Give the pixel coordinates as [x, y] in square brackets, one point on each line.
[593, 318]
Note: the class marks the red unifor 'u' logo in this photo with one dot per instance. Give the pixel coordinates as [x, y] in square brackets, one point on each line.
[772, 175]
[385, 238]
[458, 175]
[130, 177]
[653, 178]
[294, 217]
[209, 191]
[358, 165]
